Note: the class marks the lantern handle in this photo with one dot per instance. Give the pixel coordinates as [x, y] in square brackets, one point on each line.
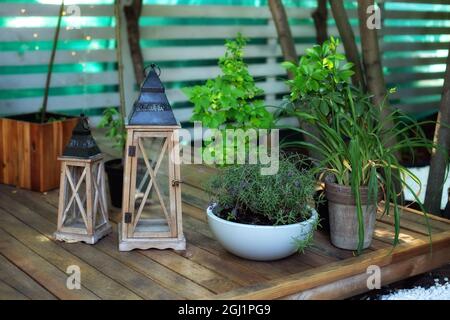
[84, 121]
[155, 67]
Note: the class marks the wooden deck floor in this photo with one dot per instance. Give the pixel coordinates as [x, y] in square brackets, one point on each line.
[33, 265]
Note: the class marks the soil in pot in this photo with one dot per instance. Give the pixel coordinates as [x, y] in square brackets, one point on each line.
[114, 170]
[36, 117]
[343, 217]
[244, 217]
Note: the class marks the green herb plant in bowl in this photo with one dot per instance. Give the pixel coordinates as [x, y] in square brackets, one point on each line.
[263, 217]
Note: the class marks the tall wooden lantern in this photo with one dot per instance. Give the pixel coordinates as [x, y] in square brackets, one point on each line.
[151, 210]
[83, 209]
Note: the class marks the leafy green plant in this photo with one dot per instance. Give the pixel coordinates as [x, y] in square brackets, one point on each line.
[355, 145]
[320, 79]
[113, 121]
[242, 194]
[231, 99]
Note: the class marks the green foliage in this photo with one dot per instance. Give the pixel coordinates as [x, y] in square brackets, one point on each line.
[113, 121]
[320, 78]
[230, 100]
[356, 144]
[283, 198]
[303, 244]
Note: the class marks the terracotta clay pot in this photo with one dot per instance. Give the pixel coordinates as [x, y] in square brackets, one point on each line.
[343, 217]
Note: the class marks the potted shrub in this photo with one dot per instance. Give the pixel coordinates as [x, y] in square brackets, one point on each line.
[232, 99]
[358, 149]
[263, 217]
[31, 143]
[113, 121]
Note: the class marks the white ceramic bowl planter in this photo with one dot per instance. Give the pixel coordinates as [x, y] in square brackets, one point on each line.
[257, 242]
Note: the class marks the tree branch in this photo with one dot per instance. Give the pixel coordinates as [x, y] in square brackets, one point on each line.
[132, 14]
[433, 194]
[320, 16]
[348, 39]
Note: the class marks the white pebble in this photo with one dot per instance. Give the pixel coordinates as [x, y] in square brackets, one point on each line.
[436, 292]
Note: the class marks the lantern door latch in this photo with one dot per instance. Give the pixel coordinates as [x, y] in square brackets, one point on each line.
[176, 183]
[132, 151]
[127, 217]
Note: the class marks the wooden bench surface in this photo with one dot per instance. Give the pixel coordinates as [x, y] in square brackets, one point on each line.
[33, 265]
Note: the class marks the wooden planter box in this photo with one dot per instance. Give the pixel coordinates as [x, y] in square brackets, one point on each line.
[29, 151]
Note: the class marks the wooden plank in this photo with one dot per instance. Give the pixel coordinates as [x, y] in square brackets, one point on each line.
[213, 52]
[101, 285]
[205, 277]
[70, 102]
[236, 273]
[218, 11]
[182, 285]
[443, 222]
[423, 1]
[106, 250]
[218, 32]
[198, 234]
[9, 293]
[351, 286]
[414, 30]
[345, 269]
[8, 34]
[204, 73]
[35, 80]
[402, 77]
[51, 10]
[417, 222]
[41, 57]
[194, 196]
[417, 107]
[46, 206]
[409, 15]
[419, 92]
[413, 46]
[39, 269]
[409, 62]
[385, 232]
[20, 281]
[322, 251]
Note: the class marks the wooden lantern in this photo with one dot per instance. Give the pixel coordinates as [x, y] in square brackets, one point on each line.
[151, 196]
[83, 208]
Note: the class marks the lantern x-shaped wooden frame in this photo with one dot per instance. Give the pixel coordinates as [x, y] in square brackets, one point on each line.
[89, 204]
[143, 233]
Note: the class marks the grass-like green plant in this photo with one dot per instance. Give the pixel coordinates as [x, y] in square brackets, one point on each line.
[240, 192]
[353, 137]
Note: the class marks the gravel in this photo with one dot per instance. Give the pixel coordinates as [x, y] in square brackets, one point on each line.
[436, 292]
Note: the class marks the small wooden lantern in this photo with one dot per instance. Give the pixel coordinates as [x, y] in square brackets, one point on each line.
[83, 208]
[151, 192]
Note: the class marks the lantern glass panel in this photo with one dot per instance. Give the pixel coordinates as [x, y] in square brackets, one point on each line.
[75, 201]
[152, 194]
[99, 208]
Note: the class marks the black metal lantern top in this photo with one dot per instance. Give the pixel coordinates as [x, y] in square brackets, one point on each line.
[152, 107]
[81, 144]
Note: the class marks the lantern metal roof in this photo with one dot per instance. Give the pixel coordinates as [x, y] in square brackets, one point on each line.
[82, 144]
[152, 106]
